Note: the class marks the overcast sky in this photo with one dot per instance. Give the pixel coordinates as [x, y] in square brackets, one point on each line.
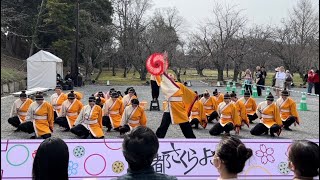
[259, 12]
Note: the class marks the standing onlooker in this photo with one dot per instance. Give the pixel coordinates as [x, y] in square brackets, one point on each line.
[259, 79]
[288, 81]
[310, 80]
[316, 82]
[139, 149]
[248, 80]
[264, 76]
[304, 159]
[274, 77]
[51, 160]
[280, 79]
[230, 157]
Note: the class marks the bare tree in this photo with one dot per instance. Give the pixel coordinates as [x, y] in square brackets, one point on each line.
[218, 33]
[295, 43]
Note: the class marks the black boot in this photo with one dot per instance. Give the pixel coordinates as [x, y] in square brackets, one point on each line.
[287, 128]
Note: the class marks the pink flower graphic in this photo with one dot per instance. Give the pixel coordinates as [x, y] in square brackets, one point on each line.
[265, 154]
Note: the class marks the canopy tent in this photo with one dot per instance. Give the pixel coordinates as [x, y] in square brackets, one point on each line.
[42, 70]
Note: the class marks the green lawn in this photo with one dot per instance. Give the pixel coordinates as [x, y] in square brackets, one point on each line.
[11, 75]
[191, 74]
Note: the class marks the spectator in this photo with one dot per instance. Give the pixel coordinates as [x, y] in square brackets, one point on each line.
[310, 80]
[51, 160]
[230, 157]
[288, 81]
[140, 159]
[280, 79]
[68, 76]
[304, 159]
[248, 80]
[274, 77]
[316, 82]
[264, 76]
[259, 80]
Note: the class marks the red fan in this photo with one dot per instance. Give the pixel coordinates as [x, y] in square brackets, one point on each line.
[156, 65]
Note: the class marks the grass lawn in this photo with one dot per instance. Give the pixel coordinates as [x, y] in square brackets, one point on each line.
[191, 74]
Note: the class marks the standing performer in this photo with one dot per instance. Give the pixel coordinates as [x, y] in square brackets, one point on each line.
[127, 98]
[288, 110]
[89, 122]
[229, 118]
[112, 112]
[241, 108]
[133, 116]
[56, 100]
[19, 110]
[39, 119]
[198, 115]
[251, 106]
[69, 112]
[210, 106]
[154, 88]
[180, 101]
[218, 96]
[269, 114]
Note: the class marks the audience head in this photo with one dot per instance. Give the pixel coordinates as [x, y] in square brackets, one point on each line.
[304, 159]
[140, 147]
[51, 160]
[258, 68]
[231, 155]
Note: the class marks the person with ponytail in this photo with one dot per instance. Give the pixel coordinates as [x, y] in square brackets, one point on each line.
[304, 159]
[230, 157]
[229, 118]
[19, 110]
[69, 112]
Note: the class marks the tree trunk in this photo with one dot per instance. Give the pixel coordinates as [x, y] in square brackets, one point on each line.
[143, 75]
[235, 74]
[89, 69]
[240, 75]
[178, 73]
[100, 71]
[220, 74]
[200, 72]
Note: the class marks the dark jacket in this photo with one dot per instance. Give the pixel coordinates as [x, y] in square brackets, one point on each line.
[146, 174]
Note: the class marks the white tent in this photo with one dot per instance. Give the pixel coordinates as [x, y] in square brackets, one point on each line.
[42, 70]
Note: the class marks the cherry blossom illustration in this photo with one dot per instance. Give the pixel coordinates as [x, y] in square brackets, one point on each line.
[265, 154]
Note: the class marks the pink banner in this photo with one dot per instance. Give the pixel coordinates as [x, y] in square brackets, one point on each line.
[185, 159]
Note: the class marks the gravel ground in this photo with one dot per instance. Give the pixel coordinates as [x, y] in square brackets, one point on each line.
[307, 130]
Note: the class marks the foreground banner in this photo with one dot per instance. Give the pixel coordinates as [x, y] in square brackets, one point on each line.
[185, 159]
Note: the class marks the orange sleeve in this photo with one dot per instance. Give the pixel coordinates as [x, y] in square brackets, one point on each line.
[100, 117]
[202, 114]
[254, 105]
[143, 120]
[244, 112]
[235, 115]
[121, 108]
[293, 110]
[277, 115]
[50, 116]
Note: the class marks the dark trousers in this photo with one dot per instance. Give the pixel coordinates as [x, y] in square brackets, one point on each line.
[55, 115]
[212, 116]
[154, 90]
[248, 88]
[261, 128]
[195, 122]
[80, 131]
[28, 128]
[83, 132]
[63, 122]
[165, 123]
[317, 88]
[252, 117]
[106, 122]
[14, 121]
[259, 89]
[124, 129]
[218, 129]
[289, 121]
